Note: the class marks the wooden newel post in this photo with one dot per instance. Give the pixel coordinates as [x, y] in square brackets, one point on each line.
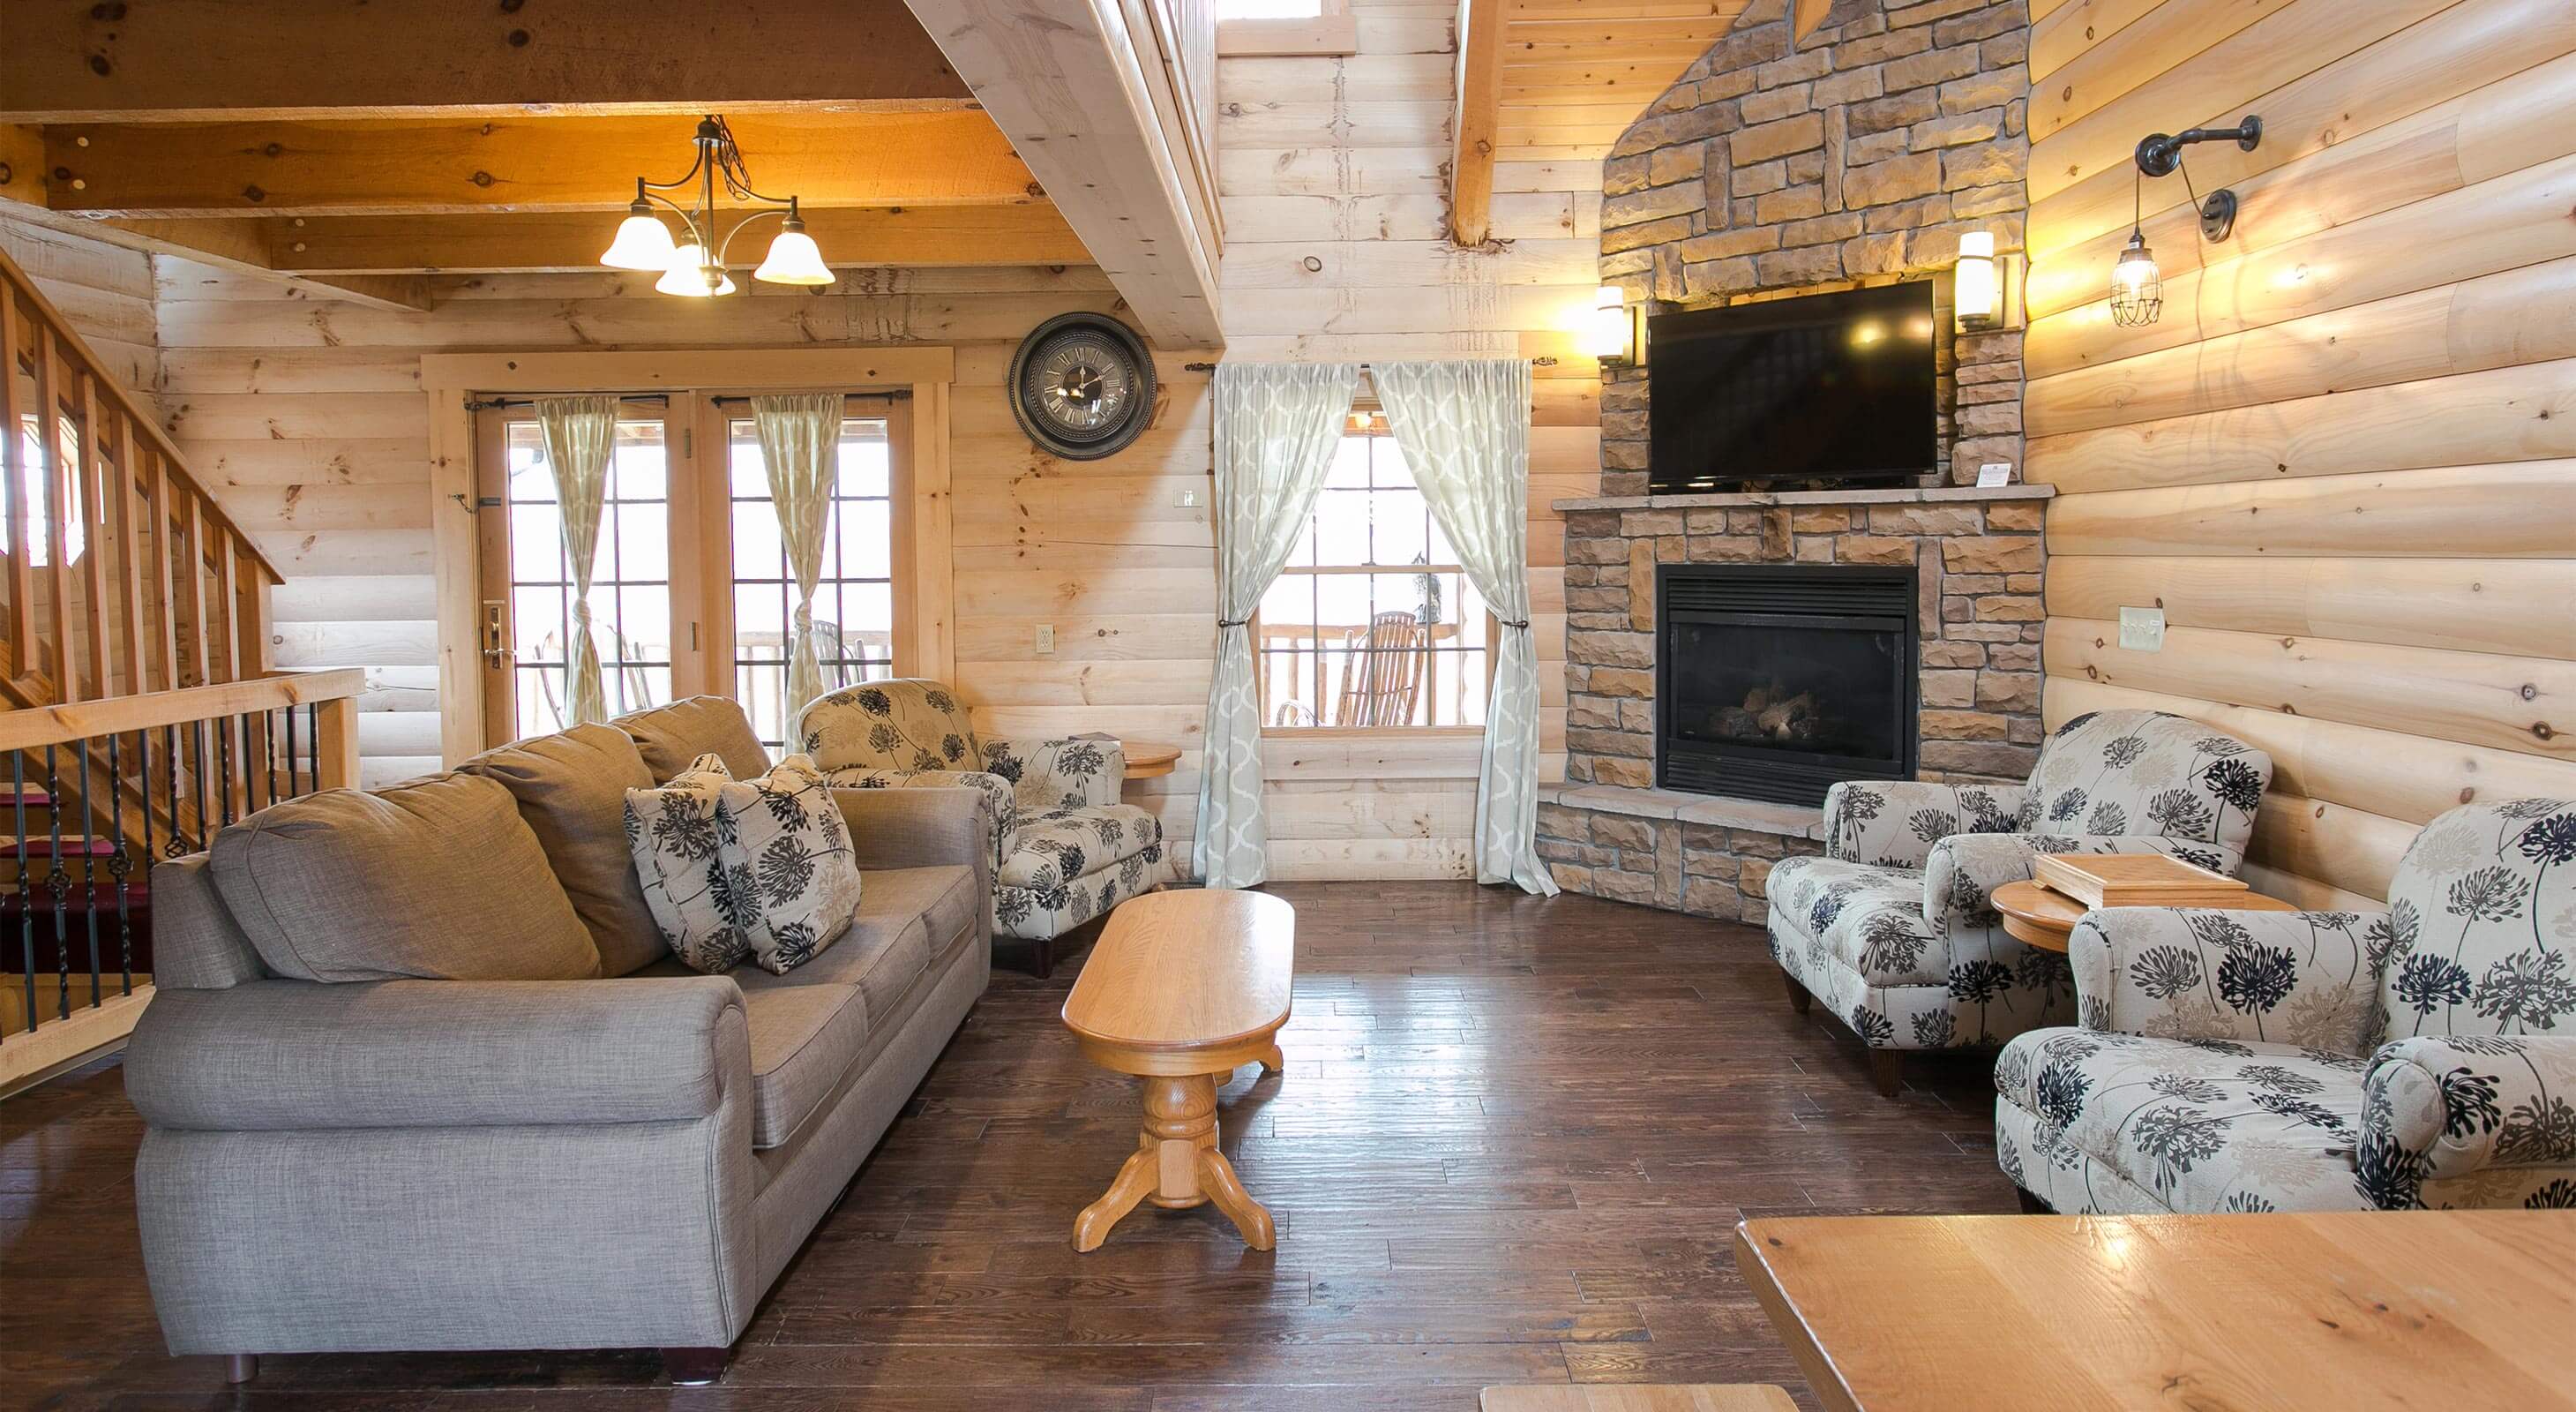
[335, 743]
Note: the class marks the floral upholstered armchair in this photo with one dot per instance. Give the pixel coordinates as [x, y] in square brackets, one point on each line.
[1065, 850]
[2320, 1061]
[1893, 929]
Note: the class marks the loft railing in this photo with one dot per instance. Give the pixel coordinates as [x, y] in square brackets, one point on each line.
[92, 794]
[119, 573]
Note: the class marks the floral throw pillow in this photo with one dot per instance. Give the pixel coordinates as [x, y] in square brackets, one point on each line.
[678, 834]
[790, 881]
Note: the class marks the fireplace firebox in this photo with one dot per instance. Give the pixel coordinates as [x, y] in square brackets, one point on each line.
[1772, 681]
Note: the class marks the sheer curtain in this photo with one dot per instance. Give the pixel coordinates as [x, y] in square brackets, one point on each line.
[1464, 429]
[800, 437]
[580, 432]
[1277, 425]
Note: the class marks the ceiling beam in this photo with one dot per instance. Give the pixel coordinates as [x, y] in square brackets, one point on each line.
[1475, 122]
[517, 164]
[1033, 234]
[209, 60]
[1065, 81]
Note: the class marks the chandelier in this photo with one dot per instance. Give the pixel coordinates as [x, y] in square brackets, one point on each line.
[687, 266]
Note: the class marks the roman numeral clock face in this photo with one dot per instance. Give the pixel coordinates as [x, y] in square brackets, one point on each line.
[1082, 386]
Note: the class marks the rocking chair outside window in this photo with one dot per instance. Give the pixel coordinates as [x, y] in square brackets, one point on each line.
[1381, 679]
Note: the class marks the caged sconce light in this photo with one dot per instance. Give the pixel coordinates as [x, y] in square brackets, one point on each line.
[2137, 286]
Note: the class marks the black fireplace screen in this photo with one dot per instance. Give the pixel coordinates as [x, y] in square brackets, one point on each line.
[1774, 681]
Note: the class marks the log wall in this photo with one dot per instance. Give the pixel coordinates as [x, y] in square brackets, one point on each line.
[1331, 176]
[2344, 459]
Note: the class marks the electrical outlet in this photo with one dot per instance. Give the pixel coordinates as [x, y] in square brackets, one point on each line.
[1046, 638]
[1186, 498]
[2142, 629]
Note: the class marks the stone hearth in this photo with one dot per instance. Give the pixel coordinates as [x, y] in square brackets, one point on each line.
[1978, 560]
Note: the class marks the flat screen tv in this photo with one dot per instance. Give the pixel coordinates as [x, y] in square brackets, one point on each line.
[1823, 387]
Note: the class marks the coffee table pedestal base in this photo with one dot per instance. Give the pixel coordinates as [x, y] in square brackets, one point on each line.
[1176, 1165]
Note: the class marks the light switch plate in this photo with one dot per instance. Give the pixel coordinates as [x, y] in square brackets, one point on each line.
[2142, 629]
[1046, 638]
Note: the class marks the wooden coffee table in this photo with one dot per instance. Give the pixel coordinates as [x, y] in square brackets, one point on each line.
[2045, 917]
[1182, 987]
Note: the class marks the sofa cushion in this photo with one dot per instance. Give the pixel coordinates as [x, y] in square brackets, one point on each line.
[907, 918]
[437, 878]
[571, 791]
[675, 835]
[803, 1040]
[670, 737]
[783, 834]
[2201, 1125]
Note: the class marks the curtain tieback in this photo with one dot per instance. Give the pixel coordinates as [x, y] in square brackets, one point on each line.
[1234, 622]
[1522, 623]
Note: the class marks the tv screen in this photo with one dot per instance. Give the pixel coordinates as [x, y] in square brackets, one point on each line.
[1828, 386]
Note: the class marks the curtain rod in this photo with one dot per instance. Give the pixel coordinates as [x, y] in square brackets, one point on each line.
[1211, 367]
[663, 399]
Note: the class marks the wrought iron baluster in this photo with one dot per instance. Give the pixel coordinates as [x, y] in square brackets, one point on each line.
[26, 889]
[89, 866]
[170, 760]
[292, 788]
[143, 770]
[197, 732]
[224, 769]
[59, 882]
[119, 867]
[313, 736]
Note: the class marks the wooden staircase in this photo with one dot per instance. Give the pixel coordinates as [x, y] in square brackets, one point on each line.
[137, 714]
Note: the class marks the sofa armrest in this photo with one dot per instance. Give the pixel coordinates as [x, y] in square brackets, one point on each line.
[1961, 873]
[281, 1054]
[2436, 1107]
[1894, 823]
[919, 828]
[1074, 772]
[2203, 974]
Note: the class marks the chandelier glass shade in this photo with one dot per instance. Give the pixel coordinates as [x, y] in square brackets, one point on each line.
[645, 241]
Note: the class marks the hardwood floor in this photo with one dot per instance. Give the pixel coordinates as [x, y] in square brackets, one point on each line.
[1511, 1144]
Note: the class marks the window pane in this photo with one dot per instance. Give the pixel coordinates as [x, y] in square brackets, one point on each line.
[854, 597]
[630, 598]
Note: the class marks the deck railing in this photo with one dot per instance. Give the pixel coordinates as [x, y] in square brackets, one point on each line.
[92, 794]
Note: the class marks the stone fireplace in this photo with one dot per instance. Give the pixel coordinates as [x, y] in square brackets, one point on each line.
[1772, 681]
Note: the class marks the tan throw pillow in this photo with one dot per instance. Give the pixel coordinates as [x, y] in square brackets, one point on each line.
[571, 790]
[437, 878]
[670, 737]
[784, 839]
[676, 834]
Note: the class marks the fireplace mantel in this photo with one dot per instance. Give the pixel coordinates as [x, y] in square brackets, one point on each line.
[1877, 495]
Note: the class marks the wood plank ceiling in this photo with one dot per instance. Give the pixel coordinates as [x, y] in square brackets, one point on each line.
[356, 145]
[1561, 80]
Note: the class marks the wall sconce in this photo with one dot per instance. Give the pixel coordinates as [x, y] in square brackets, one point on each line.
[1615, 333]
[2137, 285]
[1974, 289]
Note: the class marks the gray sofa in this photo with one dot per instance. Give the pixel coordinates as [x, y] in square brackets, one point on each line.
[342, 1163]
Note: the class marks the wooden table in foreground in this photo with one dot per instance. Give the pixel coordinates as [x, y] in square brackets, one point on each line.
[1183, 987]
[2339, 1312]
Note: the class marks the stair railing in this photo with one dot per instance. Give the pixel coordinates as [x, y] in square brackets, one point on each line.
[74, 894]
[119, 573]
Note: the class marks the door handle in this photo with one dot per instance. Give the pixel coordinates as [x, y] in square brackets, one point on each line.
[497, 652]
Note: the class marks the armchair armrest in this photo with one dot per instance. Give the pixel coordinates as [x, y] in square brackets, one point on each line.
[281, 1054]
[2197, 973]
[1894, 823]
[1961, 873]
[1001, 804]
[2435, 1107]
[1076, 772]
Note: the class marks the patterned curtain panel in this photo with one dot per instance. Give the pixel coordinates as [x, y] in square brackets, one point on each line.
[800, 435]
[580, 433]
[1464, 428]
[1277, 425]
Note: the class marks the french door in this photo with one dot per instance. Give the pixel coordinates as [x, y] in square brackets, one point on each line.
[691, 592]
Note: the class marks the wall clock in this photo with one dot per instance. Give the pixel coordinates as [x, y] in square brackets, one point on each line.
[1082, 386]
